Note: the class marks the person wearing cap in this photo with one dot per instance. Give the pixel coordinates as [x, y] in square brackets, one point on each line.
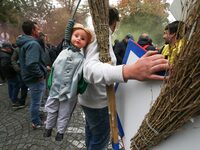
[120, 48]
[16, 66]
[66, 74]
[9, 73]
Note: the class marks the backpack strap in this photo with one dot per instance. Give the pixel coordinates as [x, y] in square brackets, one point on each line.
[82, 85]
[50, 79]
[145, 46]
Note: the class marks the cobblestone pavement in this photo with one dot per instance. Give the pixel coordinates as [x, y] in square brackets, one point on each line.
[16, 132]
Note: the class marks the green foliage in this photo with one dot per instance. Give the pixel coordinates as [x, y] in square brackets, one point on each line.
[14, 12]
[7, 12]
[142, 23]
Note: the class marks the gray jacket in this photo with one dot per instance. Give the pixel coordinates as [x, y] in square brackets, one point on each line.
[67, 72]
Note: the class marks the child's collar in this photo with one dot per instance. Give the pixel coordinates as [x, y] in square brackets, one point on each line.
[74, 48]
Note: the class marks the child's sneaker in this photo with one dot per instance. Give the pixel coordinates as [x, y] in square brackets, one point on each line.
[59, 136]
[36, 126]
[47, 133]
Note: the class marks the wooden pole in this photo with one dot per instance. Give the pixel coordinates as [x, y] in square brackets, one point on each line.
[112, 113]
[100, 15]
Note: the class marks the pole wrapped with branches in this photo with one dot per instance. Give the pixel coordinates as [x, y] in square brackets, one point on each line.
[179, 99]
[100, 15]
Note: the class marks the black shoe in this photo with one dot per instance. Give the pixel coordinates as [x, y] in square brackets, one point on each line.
[59, 137]
[47, 133]
[18, 105]
[15, 104]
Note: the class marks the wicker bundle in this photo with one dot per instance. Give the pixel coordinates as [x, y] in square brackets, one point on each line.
[179, 99]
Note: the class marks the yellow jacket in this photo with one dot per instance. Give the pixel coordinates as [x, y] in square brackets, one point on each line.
[170, 52]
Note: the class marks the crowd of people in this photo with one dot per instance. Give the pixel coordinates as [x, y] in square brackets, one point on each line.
[173, 40]
[32, 62]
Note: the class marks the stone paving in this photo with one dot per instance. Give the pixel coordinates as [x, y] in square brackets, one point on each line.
[16, 132]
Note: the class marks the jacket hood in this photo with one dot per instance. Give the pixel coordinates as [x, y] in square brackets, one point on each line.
[21, 40]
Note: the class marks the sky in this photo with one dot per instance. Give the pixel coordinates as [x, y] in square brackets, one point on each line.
[170, 17]
[115, 1]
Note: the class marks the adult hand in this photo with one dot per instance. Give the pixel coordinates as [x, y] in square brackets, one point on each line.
[146, 67]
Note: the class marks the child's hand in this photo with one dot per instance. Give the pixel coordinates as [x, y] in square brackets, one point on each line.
[48, 68]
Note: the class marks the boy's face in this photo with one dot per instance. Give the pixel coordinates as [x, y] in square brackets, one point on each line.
[36, 31]
[168, 37]
[113, 26]
[79, 38]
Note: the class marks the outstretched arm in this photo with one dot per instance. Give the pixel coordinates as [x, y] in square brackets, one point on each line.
[146, 67]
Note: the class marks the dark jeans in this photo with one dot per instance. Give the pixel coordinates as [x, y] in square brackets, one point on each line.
[45, 93]
[97, 128]
[13, 88]
[2, 78]
[23, 92]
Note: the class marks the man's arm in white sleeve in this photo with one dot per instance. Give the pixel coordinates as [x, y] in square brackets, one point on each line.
[98, 72]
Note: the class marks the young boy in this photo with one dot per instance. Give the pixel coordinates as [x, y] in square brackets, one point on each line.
[67, 72]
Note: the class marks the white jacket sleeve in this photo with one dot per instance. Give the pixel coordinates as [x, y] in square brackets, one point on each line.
[97, 72]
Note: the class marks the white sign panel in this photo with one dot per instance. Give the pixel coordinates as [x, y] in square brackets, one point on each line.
[134, 99]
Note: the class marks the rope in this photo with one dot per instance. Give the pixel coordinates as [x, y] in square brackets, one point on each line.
[154, 130]
[68, 31]
[76, 9]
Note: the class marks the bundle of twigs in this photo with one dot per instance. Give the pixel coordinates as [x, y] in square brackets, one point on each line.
[179, 99]
[99, 10]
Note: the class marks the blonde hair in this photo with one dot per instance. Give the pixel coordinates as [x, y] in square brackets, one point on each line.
[87, 30]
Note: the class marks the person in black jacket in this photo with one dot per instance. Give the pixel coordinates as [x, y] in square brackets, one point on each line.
[120, 48]
[146, 42]
[2, 78]
[22, 85]
[9, 73]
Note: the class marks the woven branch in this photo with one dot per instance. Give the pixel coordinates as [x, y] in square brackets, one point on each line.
[179, 99]
[100, 16]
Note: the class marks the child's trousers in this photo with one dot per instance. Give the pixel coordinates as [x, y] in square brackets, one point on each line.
[59, 113]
